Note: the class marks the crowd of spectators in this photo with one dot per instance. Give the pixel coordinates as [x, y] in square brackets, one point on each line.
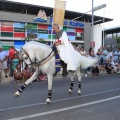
[12, 66]
[109, 60]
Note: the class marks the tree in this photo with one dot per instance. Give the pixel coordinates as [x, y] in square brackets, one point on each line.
[118, 41]
[41, 40]
[31, 35]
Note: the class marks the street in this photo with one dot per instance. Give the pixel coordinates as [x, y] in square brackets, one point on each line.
[100, 100]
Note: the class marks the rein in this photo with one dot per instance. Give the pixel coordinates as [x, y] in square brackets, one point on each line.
[28, 56]
[42, 62]
[39, 63]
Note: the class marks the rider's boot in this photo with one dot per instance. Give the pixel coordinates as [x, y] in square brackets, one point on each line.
[64, 73]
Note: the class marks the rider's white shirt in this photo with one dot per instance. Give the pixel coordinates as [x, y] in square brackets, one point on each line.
[68, 54]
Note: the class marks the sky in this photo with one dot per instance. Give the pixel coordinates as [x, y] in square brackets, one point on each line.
[111, 10]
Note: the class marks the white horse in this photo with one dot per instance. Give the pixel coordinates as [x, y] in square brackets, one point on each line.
[42, 58]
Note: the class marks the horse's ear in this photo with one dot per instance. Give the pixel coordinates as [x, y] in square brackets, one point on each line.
[20, 54]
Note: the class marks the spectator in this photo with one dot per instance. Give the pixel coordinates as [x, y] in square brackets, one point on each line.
[82, 51]
[15, 62]
[18, 75]
[12, 52]
[119, 55]
[99, 54]
[95, 70]
[110, 55]
[116, 55]
[90, 50]
[115, 65]
[3, 61]
[108, 67]
[104, 54]
[27, 73]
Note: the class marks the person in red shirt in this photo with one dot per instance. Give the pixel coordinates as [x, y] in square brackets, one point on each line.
[12, 53]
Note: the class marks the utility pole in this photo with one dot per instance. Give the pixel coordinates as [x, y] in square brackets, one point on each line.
[92, 31]
[103, 28]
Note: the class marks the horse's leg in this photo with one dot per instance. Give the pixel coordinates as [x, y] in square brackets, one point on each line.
[50, 80]
[24, 85]
[79, 80]
[72, 75]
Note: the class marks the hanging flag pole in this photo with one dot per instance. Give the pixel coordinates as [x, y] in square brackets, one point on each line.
[59, 12]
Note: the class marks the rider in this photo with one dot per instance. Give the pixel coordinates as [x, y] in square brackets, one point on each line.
[67, 53]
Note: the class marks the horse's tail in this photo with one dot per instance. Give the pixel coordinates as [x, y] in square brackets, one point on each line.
[86, 62]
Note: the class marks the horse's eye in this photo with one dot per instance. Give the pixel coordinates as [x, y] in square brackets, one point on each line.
[25, 58]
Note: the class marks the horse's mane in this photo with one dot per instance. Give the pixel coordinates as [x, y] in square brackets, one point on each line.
[31, 44]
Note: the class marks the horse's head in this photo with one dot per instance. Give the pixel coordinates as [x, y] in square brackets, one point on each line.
[28, 57]
[35, 53]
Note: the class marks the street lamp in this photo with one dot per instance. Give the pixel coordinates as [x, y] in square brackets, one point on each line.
[92, 31]
[94, 9]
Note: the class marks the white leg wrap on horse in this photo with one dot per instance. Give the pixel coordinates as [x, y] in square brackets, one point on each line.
[71, 87]
[70, 91]
[79, 92]
[22, 87]
[49, 94]
[17, 93]
[48, 100]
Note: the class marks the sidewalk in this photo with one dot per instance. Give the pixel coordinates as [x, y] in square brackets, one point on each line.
[10, 79]
[6, 80]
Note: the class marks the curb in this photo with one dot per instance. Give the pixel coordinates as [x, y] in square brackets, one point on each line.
[10, 79]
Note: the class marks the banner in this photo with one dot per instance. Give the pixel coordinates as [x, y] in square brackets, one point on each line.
[59, 12]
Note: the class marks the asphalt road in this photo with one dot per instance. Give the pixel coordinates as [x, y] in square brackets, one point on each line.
[100, 100]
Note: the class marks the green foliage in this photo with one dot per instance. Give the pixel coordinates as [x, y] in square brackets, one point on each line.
[31, 36]
[41, 40]
[118, 41]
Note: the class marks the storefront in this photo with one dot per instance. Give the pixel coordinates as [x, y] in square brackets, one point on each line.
[14, 33]
[13, 23]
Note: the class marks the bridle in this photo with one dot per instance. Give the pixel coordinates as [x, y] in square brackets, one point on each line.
[41, 62]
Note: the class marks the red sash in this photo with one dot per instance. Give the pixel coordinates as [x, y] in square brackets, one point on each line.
[59, 41]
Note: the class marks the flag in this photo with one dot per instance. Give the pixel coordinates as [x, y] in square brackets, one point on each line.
[59, 12]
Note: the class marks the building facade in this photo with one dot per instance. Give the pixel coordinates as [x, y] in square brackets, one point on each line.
[13, 29]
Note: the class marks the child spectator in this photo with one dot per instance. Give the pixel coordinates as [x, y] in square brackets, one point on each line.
[115, 65]
[95, 70]
[15, 62]
[18, 73]
[27, 73]
[108, 67]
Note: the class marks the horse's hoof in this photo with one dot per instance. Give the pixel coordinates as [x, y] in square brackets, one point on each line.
[17, 94]
[48, 101]
[70, 91]
[79, 92]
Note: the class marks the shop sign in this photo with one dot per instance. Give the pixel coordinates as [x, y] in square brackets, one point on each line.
[41, 17]
[43, 31]
[71, 23]
[19, 29]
